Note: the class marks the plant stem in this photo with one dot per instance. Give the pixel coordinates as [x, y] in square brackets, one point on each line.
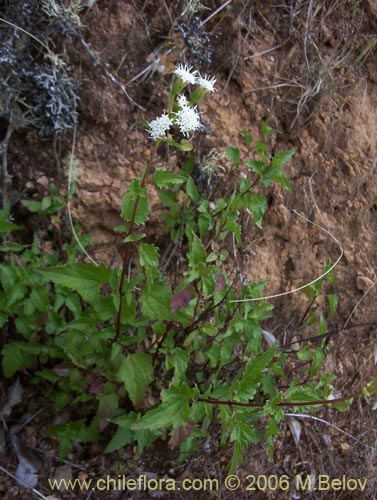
[127, 245]
[283, 403]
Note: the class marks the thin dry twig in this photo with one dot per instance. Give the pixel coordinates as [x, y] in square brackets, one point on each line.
[359, 302]
[36, 492]
[323, 421]
[295, 290]
[70, 175]
[215, 12]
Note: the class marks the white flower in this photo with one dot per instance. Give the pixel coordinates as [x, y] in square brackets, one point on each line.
[207, 83]
[182, 101]
[184, 73]
[188, 120]
[159, 126]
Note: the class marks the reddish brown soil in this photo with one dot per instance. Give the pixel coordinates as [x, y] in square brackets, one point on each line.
[333, 176]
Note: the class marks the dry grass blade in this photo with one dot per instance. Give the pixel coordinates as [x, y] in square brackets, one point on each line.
[295, 290]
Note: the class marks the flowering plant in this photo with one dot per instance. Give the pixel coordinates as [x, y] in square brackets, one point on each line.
[182, 112]
[164, 344]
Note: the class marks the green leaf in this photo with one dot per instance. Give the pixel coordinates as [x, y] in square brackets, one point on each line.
[271, 430]
[197, 253]
[247, 137]
[15, 358]
[86, 279]
[233, 155]
[262, 149]
[122, 437]
[108, 404]
[148, 255]
[71, 432]
[155, 301]
[6, 227]
[322, 328]
[185, 145]
[257, 204]
[333, 300]
[192, 190]
[164, 179]
[32, 206]
[257, 166]
[246, 388]
[244, 433]
[237, 457]
[173, 412]
[279, 159]
[136, 372]
[165, 415]
[132, 237]
[135, 204]
[266, 130]
[178, 361]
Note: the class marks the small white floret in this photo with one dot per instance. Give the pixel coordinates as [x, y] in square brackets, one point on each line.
[159, 126]
[188, 120]
[185, 74]
[182, 101]
[207, 83]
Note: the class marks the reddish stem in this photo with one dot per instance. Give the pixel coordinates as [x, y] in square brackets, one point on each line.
[127, 245]
[261, 405]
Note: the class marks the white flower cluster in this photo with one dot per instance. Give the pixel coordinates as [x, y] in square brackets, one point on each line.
[187, 117]
[159, 126]
[185, 74]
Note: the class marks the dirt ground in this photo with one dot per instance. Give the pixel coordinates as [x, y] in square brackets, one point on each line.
[311, 69]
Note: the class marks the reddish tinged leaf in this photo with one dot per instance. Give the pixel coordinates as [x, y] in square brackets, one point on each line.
[220, 282]
[182, 298]
[95, 384]
[63, 370]
[180, 434]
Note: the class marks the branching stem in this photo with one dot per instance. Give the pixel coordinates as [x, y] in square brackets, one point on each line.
[129, 233]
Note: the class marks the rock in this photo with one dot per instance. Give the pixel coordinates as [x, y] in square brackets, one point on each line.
[363, 283]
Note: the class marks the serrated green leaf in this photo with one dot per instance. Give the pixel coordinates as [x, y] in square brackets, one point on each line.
[122, 437]
[192, 190]
[14, 359]
[133, 237]
[244, 433]
[148, 255]
[164, 179]
[257, 204]
[173, 412]
[178, 361]
[271, 430]
[233, 155]
[318, 359]
[6, 227]
[17, 356]
[86, 279]
[155, 301]
[108, 404]
[237, 458]
[197, 253]
[136, 372]
[257, 166]
[262, 149]
[246, 388]
[247, 137]
[135, 205]
[279, 159]
[266, 130]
